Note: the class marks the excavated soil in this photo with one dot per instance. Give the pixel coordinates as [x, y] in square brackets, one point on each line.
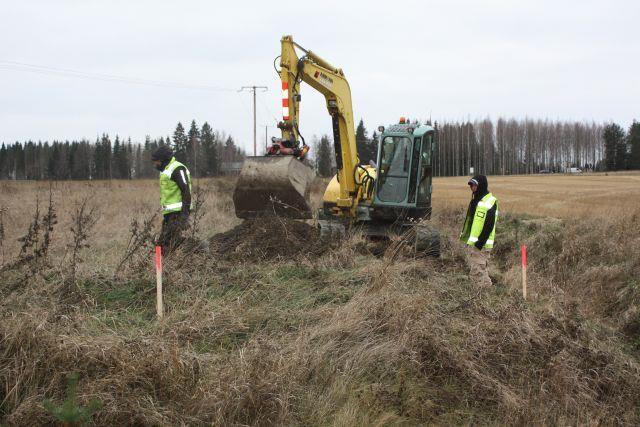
[267, 238]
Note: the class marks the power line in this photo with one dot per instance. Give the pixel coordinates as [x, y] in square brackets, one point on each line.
[245, 108]
[65, 72]
[253, 90]
[268, 110]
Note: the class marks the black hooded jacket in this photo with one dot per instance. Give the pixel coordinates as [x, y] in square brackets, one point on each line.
[483, 190]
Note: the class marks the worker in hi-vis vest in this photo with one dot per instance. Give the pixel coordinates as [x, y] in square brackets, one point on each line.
[175, 197]
[479, 230]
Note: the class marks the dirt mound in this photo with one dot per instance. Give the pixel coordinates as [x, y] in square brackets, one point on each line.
[267, 238]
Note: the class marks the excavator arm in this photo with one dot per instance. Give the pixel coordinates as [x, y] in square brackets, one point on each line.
[280, 182]
[331, 82]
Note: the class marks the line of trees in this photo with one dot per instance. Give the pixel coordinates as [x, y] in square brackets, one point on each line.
[507, 146]
[621, 151]
[203, 149]
[325, 154]
[510, 146]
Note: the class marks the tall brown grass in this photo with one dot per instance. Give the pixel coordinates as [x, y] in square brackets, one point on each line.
[116, 204]
[344, 338]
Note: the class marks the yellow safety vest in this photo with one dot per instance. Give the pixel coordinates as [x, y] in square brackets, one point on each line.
[473, 226]
[170, 196]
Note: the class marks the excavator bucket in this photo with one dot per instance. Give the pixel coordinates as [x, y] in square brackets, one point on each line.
[273, 184]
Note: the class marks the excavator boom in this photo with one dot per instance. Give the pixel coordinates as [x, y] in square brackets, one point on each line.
[331, 82]
[281, 183]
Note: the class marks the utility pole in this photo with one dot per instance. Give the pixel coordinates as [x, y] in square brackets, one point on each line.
[266, 137]
[253, 89]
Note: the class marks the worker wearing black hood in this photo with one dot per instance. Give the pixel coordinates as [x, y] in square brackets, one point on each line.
[478, 232]
[175, 196]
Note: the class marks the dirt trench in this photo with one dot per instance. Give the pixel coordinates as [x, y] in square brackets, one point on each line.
[267, 238]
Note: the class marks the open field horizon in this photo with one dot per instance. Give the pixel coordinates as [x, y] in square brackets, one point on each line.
[555, 195]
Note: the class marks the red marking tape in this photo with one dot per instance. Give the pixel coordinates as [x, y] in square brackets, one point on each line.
[285, 100]
[158, 257]
[523, 249]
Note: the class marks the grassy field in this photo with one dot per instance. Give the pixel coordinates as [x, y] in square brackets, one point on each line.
[117, 202]
[275, 327]
[555, 195]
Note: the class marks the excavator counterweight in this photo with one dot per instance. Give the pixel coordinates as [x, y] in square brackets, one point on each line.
[273, 184]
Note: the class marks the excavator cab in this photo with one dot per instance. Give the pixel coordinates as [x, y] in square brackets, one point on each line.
[399, 197]
[404, 173]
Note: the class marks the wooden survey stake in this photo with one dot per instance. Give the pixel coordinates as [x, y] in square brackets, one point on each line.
[523, 250]
[159, 305]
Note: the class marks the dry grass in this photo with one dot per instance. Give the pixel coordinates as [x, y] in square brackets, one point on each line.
[555, 195]
[340, 337]
[116, 203]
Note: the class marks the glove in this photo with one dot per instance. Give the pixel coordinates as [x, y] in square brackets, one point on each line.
[184, 220]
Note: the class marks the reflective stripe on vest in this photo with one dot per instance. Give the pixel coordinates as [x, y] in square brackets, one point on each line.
[173, 206]
[487, 204]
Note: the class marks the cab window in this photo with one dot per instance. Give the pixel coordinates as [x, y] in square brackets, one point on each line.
[395, 161]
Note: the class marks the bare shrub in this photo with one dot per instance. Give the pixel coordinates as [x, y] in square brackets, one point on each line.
[84, 219]
[200, 195]
[141, 239]
[36, 242]
[2, 234]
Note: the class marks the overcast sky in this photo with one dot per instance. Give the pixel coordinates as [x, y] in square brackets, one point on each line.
[573, 60]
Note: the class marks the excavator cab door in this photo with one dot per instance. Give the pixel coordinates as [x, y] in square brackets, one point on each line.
[426, 171]
[394, 169]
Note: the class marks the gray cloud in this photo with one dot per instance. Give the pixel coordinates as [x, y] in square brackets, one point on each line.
[452, 59]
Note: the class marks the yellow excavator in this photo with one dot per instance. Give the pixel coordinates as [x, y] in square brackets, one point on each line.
[385, 197]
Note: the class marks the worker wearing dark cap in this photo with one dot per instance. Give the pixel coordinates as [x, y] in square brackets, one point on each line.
[175, 197]
[479, 230]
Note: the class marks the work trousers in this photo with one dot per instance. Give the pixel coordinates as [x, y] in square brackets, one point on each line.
[171, 234]
[478, 261]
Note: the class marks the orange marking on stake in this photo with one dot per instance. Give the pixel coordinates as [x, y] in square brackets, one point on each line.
[523, 250]
[159, 304]
[158, 257]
